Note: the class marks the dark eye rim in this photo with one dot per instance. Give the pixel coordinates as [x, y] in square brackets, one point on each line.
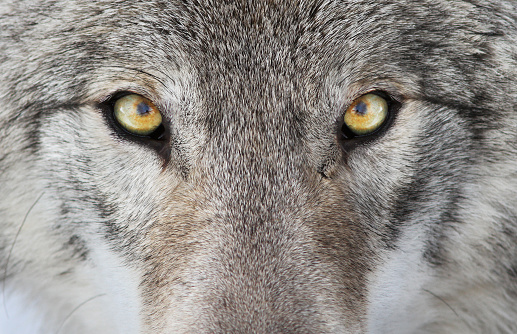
[157, 140]
[348, 139]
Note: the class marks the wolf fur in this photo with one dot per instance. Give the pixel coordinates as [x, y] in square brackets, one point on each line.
[255, 216]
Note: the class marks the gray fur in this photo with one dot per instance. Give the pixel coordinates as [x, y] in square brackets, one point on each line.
[255, 216]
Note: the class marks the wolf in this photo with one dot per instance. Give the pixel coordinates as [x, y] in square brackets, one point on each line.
[258, 166]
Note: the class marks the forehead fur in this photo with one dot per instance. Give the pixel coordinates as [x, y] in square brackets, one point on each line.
[260, 38]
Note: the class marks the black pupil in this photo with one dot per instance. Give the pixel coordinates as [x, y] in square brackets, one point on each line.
[360, 108]
[143, 108]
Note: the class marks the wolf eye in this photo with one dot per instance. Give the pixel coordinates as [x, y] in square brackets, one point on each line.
[137, 115]
[365, 115]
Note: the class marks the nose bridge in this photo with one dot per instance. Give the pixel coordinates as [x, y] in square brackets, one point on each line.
[257, 268]
[255, 166]
[263, 275]
[255, 146]
[256, 189]
[261, 269]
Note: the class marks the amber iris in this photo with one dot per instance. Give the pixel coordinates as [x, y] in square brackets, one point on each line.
[366, 114]
[137, 114]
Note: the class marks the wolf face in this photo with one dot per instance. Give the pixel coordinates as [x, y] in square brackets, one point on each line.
[258, 166]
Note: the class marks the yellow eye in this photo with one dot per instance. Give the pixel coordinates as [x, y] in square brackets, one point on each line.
[137, 114]
[366, 114]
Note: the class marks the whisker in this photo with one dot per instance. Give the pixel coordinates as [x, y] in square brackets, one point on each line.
[76, 308]
[139, 71]
[447, 304]
[11, 250]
